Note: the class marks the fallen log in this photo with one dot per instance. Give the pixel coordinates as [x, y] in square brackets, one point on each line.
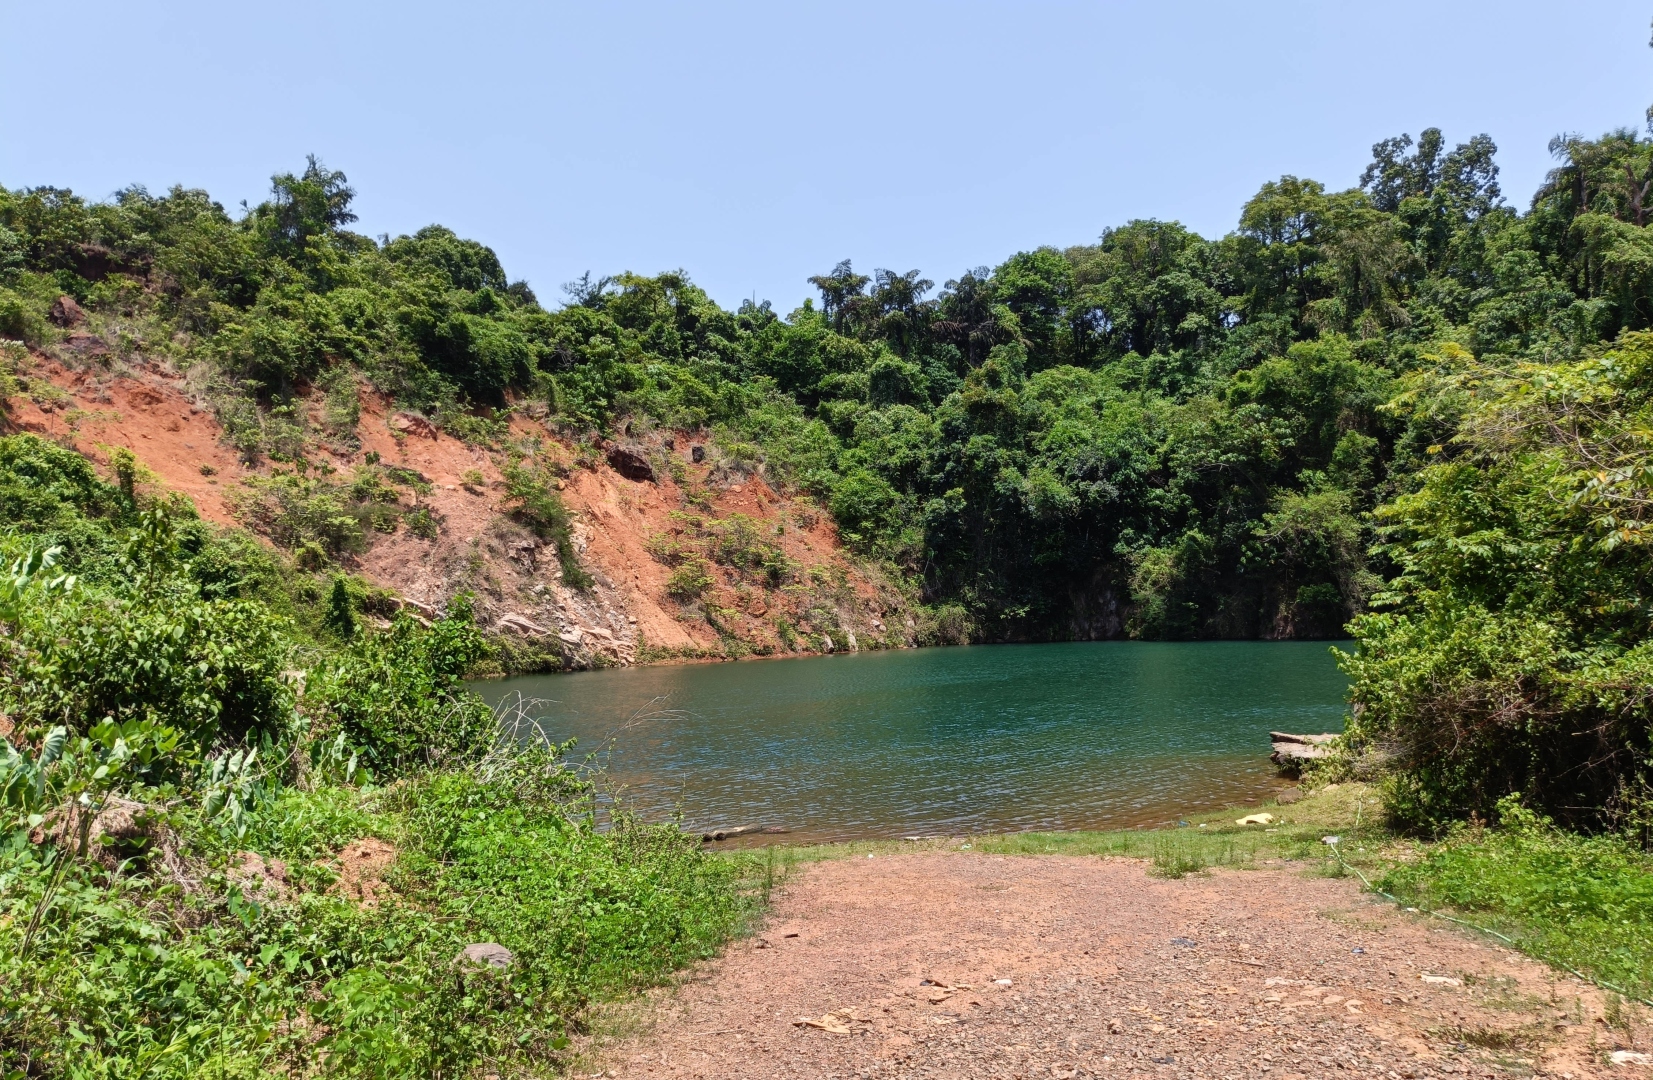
[1290, 750]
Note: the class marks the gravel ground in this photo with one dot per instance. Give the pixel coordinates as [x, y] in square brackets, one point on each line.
[944, 964]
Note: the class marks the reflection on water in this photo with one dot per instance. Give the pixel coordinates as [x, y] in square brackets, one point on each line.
[945, 741]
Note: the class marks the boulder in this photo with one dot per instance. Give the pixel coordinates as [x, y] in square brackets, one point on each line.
[420, 608]
[413, 424]
[630, 463]
[484, 955]
[521, 624]
[65, 312]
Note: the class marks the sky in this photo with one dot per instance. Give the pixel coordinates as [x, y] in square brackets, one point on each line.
[753, 145]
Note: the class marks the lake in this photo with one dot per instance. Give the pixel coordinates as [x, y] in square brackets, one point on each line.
[945, 741]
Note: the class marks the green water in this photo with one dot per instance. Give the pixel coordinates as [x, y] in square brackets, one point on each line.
[946, 741]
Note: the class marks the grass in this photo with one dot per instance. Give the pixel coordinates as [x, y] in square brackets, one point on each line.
[1586, 902]
[1208, 840]
[135, 974]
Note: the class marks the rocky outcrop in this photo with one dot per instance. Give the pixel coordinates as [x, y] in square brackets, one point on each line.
[65, 312]
[413, 424]
[630, 462]
[1291, 751]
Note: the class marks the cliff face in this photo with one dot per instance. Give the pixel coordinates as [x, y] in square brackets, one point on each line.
[689, 554]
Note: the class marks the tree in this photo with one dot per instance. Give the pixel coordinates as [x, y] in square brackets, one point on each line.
[839, 291]
[305, 207]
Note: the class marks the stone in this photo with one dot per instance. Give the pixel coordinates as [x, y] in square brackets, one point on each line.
[65, 312]
[419, 607]
[630, 463]
[1289, 796]
[521, 624]
[485, 954]
[88, 345]
[413, 424]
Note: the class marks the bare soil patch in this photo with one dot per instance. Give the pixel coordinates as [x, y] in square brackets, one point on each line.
[974, 965]
[362, 865]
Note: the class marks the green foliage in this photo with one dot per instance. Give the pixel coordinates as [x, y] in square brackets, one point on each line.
[162, 756]
[536, 504]
[101, 978]
[1513, 653]
[1581, 901]
[690, 581]
[398, 697]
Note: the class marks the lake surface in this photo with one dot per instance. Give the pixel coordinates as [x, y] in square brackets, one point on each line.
[944, 741]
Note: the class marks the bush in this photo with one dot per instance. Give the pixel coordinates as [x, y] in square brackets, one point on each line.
[690, 581]
[536, 504]
[398, 697]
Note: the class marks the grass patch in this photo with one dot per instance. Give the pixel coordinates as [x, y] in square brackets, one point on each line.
[1583, 901]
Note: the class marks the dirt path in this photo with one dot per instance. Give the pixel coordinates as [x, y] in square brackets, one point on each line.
[972, 965]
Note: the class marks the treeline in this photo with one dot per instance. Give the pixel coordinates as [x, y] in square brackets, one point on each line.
[1156, 435]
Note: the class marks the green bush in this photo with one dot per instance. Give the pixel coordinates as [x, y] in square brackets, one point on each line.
[1581, 901]
[398, 697]
[536, 504]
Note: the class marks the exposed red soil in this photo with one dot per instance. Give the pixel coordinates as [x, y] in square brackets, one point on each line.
[362, 865]
[154, 413]
[972, 965]
[147, 412]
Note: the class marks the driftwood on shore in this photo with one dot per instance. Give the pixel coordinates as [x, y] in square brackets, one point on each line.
[1290, 751]
[739, 830]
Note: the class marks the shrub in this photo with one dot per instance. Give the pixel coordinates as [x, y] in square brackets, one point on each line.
[690, 581]
[1581, 901]
[536, 504]
[398, 697]
[295, 511]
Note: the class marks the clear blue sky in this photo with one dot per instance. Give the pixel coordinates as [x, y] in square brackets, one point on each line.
[756, 144]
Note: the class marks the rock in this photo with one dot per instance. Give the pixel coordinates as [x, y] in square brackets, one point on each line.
[413, 424]
[757, 608]
[630, 463]
[697, 453]
[724, 834]
[423, 609]
[261, 876]
[669, 443]
[65, 312]
[1292, 750]
[1630, 1057]
[521, 624]
[83, 344]
[121, 829]
[1289, 796]
[485, 954]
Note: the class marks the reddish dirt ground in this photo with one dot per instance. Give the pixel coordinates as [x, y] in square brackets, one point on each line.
[154, 412]
[972, 965]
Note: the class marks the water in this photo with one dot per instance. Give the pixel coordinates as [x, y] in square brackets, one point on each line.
[947, 741]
